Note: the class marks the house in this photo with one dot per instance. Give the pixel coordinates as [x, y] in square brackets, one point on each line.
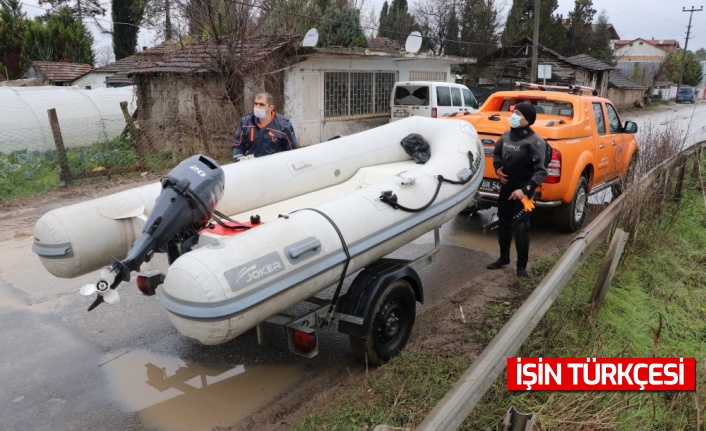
[56, 72]
[114, 75]
[640, 58]
[512, 63]
[644, 50]
[623, 92]
[203, 88]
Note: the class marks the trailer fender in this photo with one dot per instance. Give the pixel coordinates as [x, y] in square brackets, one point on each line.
[367, 288]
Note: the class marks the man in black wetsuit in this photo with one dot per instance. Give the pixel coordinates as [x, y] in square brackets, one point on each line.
[518, 160]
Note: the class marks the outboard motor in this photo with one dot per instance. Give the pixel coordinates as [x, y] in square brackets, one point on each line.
[190, 193]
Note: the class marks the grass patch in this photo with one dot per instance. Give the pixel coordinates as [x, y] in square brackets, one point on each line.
[656, 306]
[30, 173]
[397, 394]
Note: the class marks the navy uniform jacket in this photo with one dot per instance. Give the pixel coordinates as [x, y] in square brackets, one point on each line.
[254, 138]
[521, 155]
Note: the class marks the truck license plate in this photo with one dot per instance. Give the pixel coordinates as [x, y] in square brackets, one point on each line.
[490, 185]
[400, 114]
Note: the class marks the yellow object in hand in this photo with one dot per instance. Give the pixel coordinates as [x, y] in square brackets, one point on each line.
[528, 204]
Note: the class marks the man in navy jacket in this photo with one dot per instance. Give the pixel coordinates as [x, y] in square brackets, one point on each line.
[263, 132]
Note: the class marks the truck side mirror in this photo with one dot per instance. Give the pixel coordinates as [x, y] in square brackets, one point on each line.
[630, 127]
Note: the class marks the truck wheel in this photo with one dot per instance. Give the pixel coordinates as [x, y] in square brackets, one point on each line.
[569, 217]
[390, 324]
[619, 188]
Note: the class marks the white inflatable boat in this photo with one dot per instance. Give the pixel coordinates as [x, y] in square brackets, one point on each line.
[315, 214]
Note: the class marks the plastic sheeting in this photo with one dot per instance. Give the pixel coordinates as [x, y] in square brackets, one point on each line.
[85, 116]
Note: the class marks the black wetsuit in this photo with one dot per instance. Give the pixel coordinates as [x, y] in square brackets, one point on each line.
[520, 152]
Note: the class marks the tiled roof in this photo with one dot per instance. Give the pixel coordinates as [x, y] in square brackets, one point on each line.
[616, 79]
[384, 44]
[588, 62]
[199, 57]
[59, 71]
[120, 68]
[659, 43]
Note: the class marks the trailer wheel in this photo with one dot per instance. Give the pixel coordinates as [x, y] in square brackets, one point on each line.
[390, 324]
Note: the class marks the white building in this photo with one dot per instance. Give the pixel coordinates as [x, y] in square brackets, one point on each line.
[342, 91]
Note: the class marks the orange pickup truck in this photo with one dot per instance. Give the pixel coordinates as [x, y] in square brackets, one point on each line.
[592, 148]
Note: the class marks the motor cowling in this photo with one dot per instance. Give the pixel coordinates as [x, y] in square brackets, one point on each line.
[190, 193]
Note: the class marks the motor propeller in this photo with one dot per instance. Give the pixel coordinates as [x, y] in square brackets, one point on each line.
[104, 287]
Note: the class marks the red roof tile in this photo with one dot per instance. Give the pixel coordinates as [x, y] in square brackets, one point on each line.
[59, 71]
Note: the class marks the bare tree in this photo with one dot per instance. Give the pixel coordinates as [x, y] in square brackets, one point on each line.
[104, 55]
[433, 19]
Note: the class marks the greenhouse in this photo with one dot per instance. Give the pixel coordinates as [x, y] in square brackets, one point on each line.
[85, 116]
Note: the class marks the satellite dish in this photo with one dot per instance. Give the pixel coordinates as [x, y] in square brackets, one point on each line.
[311, 38]
[414, 42]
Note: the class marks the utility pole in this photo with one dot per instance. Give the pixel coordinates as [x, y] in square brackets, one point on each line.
[686, 42]
[535, 43]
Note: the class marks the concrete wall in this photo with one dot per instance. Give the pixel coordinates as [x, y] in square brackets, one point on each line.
[93, 80]
[304, 93]
[639, 51]
[625, 98]
[169, 118]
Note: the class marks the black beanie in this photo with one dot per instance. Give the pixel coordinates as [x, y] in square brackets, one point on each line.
[528, 112]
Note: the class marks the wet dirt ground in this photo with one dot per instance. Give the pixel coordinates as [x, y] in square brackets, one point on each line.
[126, 367]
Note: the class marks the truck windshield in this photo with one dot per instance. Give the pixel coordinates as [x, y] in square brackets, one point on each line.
[686, 90]
[415, 95]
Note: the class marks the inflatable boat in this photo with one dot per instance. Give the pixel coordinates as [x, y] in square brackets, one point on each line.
[249, 240]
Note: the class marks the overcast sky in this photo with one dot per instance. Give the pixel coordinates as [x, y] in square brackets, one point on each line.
[659, 19]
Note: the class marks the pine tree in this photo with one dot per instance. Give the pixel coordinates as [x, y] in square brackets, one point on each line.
[520, 24]
[580, 27]
[398, 22]
[454, 32]
[12, 26]
[57, 37]
[340, 26]
[127, 17]
[479, 28]
[292, 15]
[600, 46]
[382, 22]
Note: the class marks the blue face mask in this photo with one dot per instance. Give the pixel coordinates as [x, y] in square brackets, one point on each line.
[515, 121]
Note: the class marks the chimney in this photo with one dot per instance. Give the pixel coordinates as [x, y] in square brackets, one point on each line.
[144, 48]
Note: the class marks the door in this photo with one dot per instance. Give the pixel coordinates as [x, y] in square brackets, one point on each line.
[617, 151]
[603, 141]
[310, 110]
[457, 100]
[444, 108]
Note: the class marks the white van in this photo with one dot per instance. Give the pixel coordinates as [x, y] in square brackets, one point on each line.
[430, 99]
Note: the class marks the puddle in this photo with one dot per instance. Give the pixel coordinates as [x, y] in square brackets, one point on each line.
[172, 394]
[476, 240]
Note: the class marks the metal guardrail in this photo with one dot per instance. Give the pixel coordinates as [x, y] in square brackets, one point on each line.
[457, 404]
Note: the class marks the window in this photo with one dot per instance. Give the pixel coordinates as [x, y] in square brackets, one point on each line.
[467, 97]
[414, 95]
[443, 96]
[355, 94]
[456, 96]
[418, 75]
[613, 119]
[600, 120]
